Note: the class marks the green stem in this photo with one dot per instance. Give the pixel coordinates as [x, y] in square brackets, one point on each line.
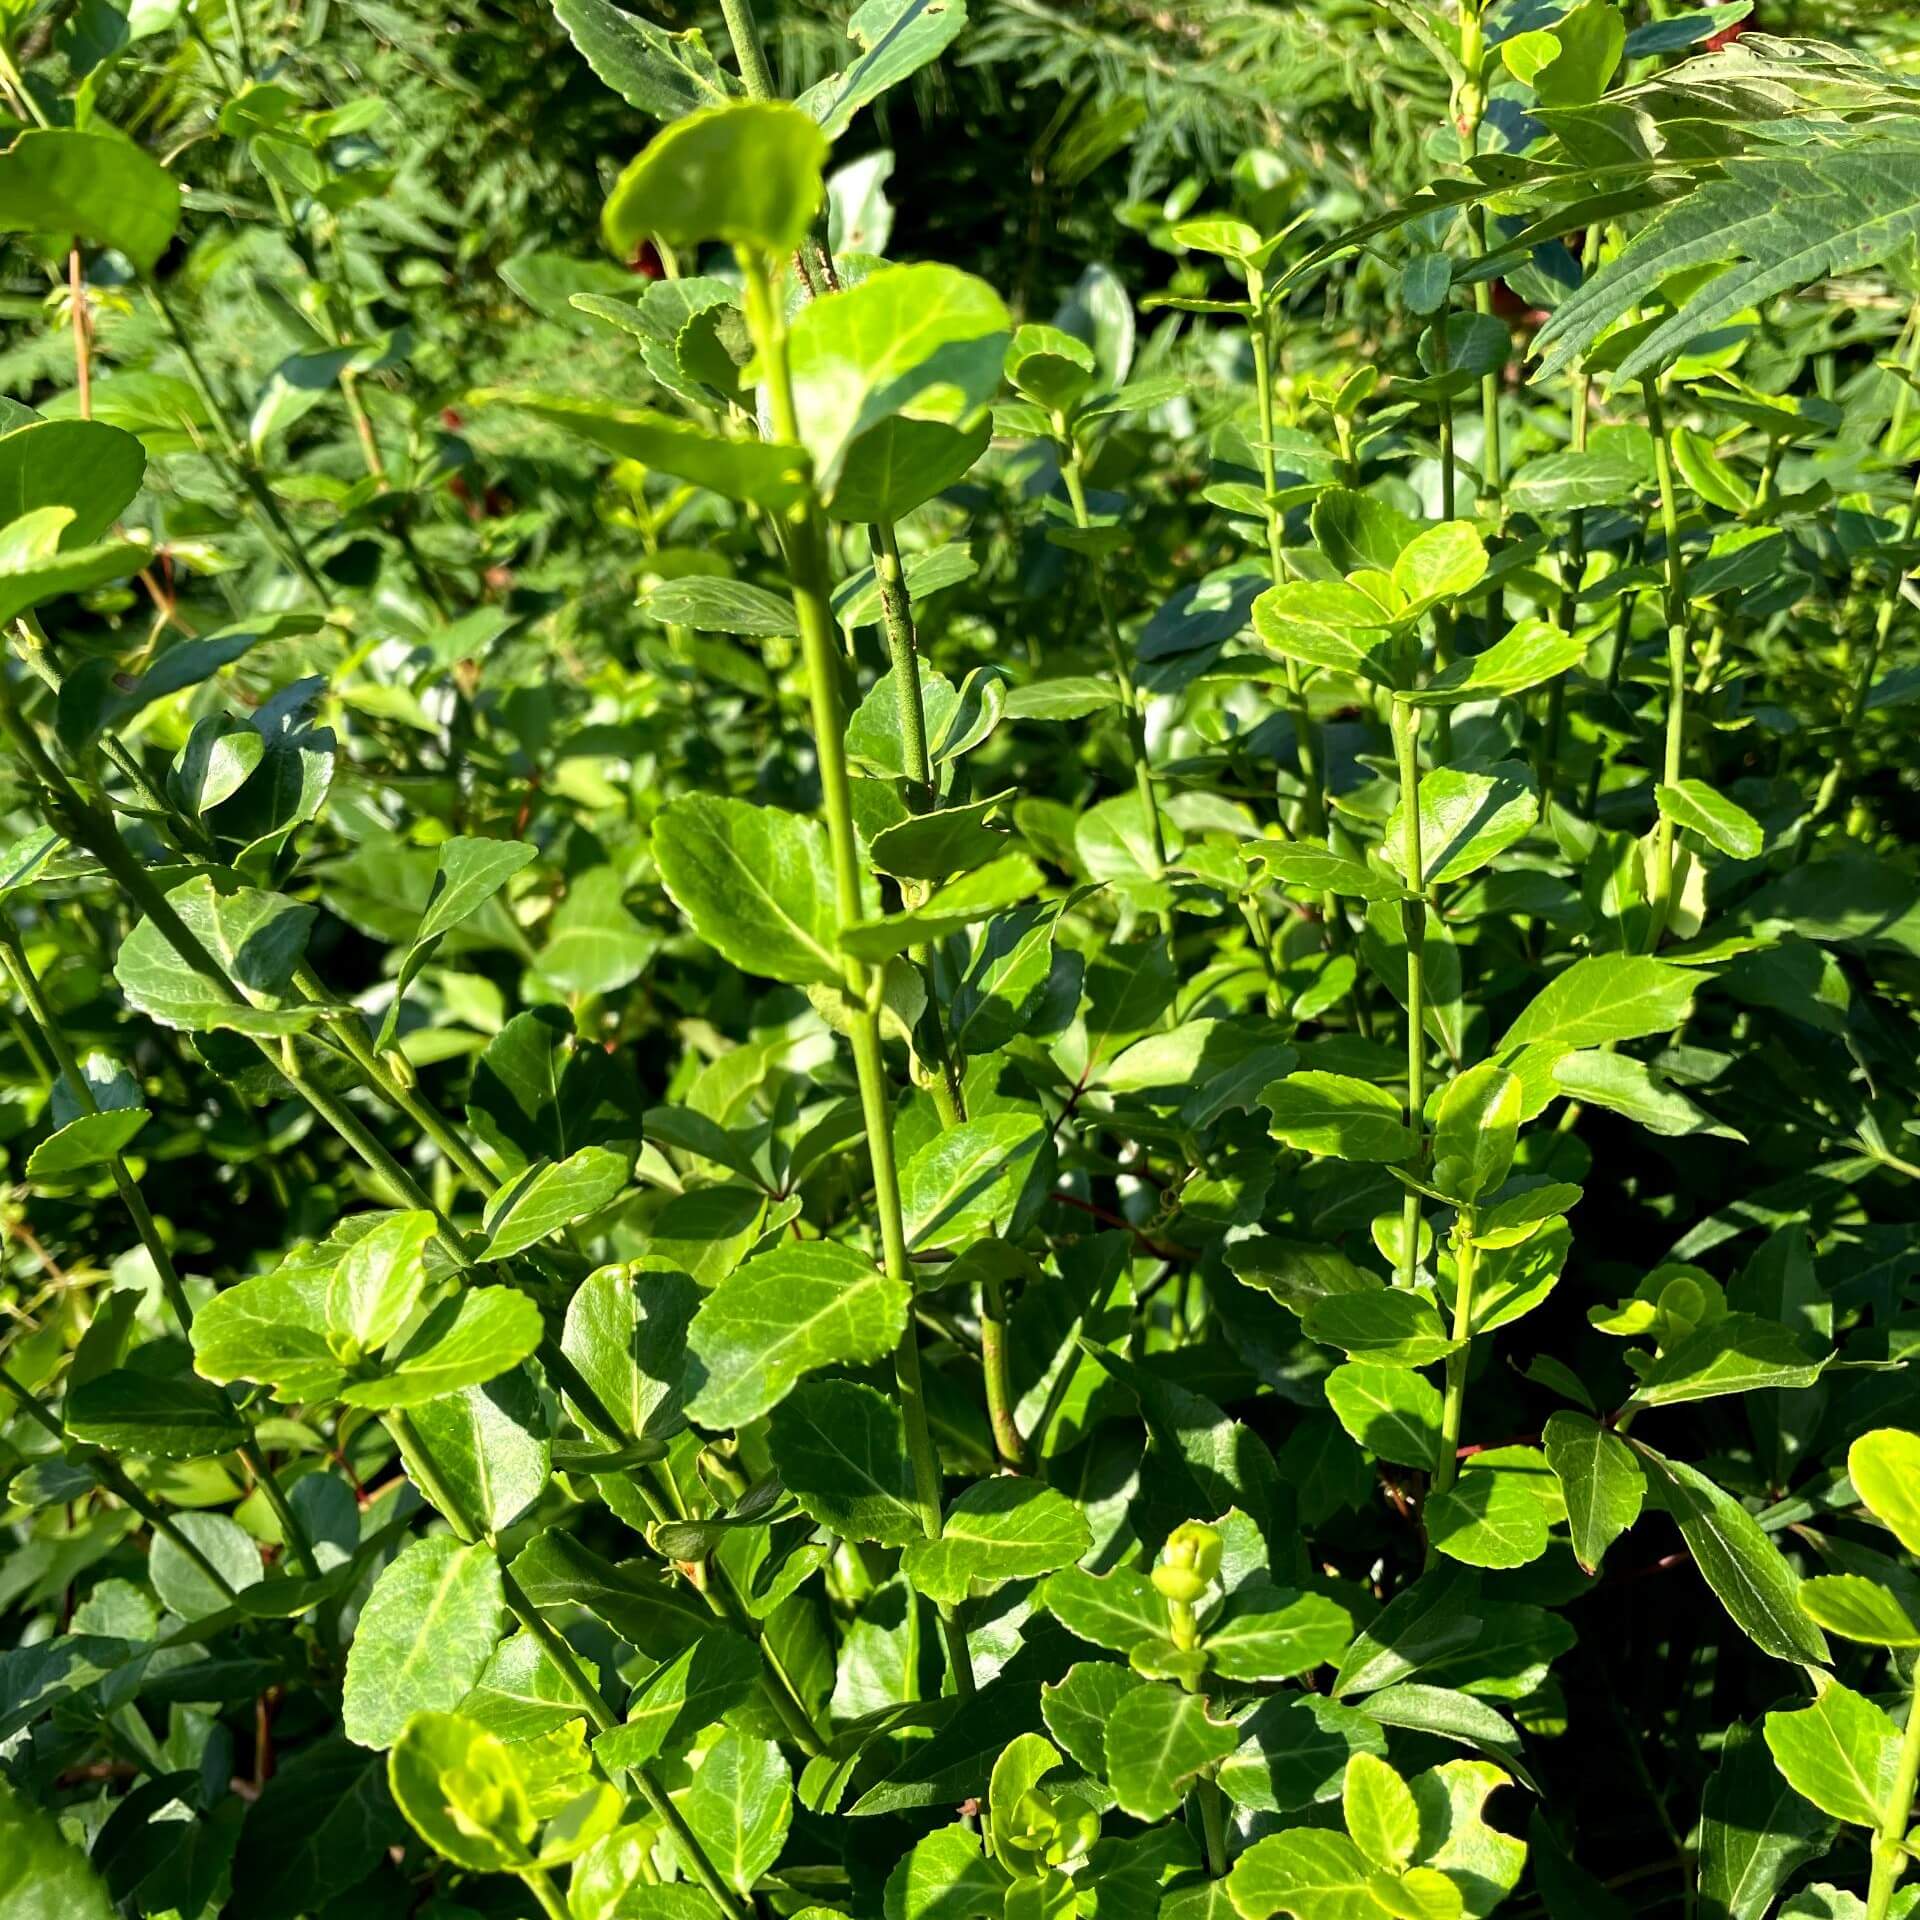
[294, 1534]
[1546, 768]
[117, 1483]
[1454, 1404]
[1443, 616]
[1839, 767]
[604, 1719]
[26, 983]
[539, 1883]
[807, 555]
[346, 1029]
[1889, 1855]
[1306, 742]
[1669, 872]
[1413, 921]
[993, 1360]
[1213, 1823]
[237, 451]
[744, 32]
[903, 656]
[1074, 474]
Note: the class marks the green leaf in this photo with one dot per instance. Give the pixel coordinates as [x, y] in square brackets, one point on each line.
[1119, 1610]
[1391, 1411]
[256, 938]
[1003, 1529]
[841, 1450]
[1754, 1829]
[1609, 996]
[153, 1416]
[90, 468]
[1469, 816]
[677, 1702]
[1310, 869]
[1475, 1131]
[1716, 819]
[1158, 1739]
[1771, 223]
[1387, 1325]
[738, 1806]
[747, 173]
[1273, 1633]
[946, 1876]
[1380, 1813]
[1455, 1839]
[930, 846]
[1759, 1590]
[1293, 1752]
[461, 1791]
[757, 884]
[966, 1181]
[1857, 1608]
[547, 1198]
[378, 1283]
[1078, 1706]
[478, 1334]
[1307, 1873]
[320, 1826]
[488, 1443]
[721, 606]
[1600, 1480]
[1439, 563]
[626, 1333]
[664, 74]
[1333, 1113]
[1738, 1353]
[41, 1876]
[1327, 623]
[783, 1314]
[90, 1141]
[61, 182]
[1436, 1617]
[924, 340]
[1884, 1466]
[34, 567]
[424, 1636]
[1489, 1517]
[1626, 1085]
[182, 1583]
[1532, 653]
[897, 38]
[1842, 1753]
[767, 473]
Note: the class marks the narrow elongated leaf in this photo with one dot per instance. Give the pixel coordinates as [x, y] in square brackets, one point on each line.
[1759, 1590]
[664, 74]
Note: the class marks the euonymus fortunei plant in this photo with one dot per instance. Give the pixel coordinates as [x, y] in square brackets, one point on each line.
[838, 1086]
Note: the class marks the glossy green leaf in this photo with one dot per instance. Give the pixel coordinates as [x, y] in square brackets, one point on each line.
[1600, 1480]
[757, 884]
[1158, 1738]
[1004, 1529]
[782, 1315]
[423, 1638]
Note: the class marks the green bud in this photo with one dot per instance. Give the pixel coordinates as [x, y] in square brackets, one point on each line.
[1189, 1563]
